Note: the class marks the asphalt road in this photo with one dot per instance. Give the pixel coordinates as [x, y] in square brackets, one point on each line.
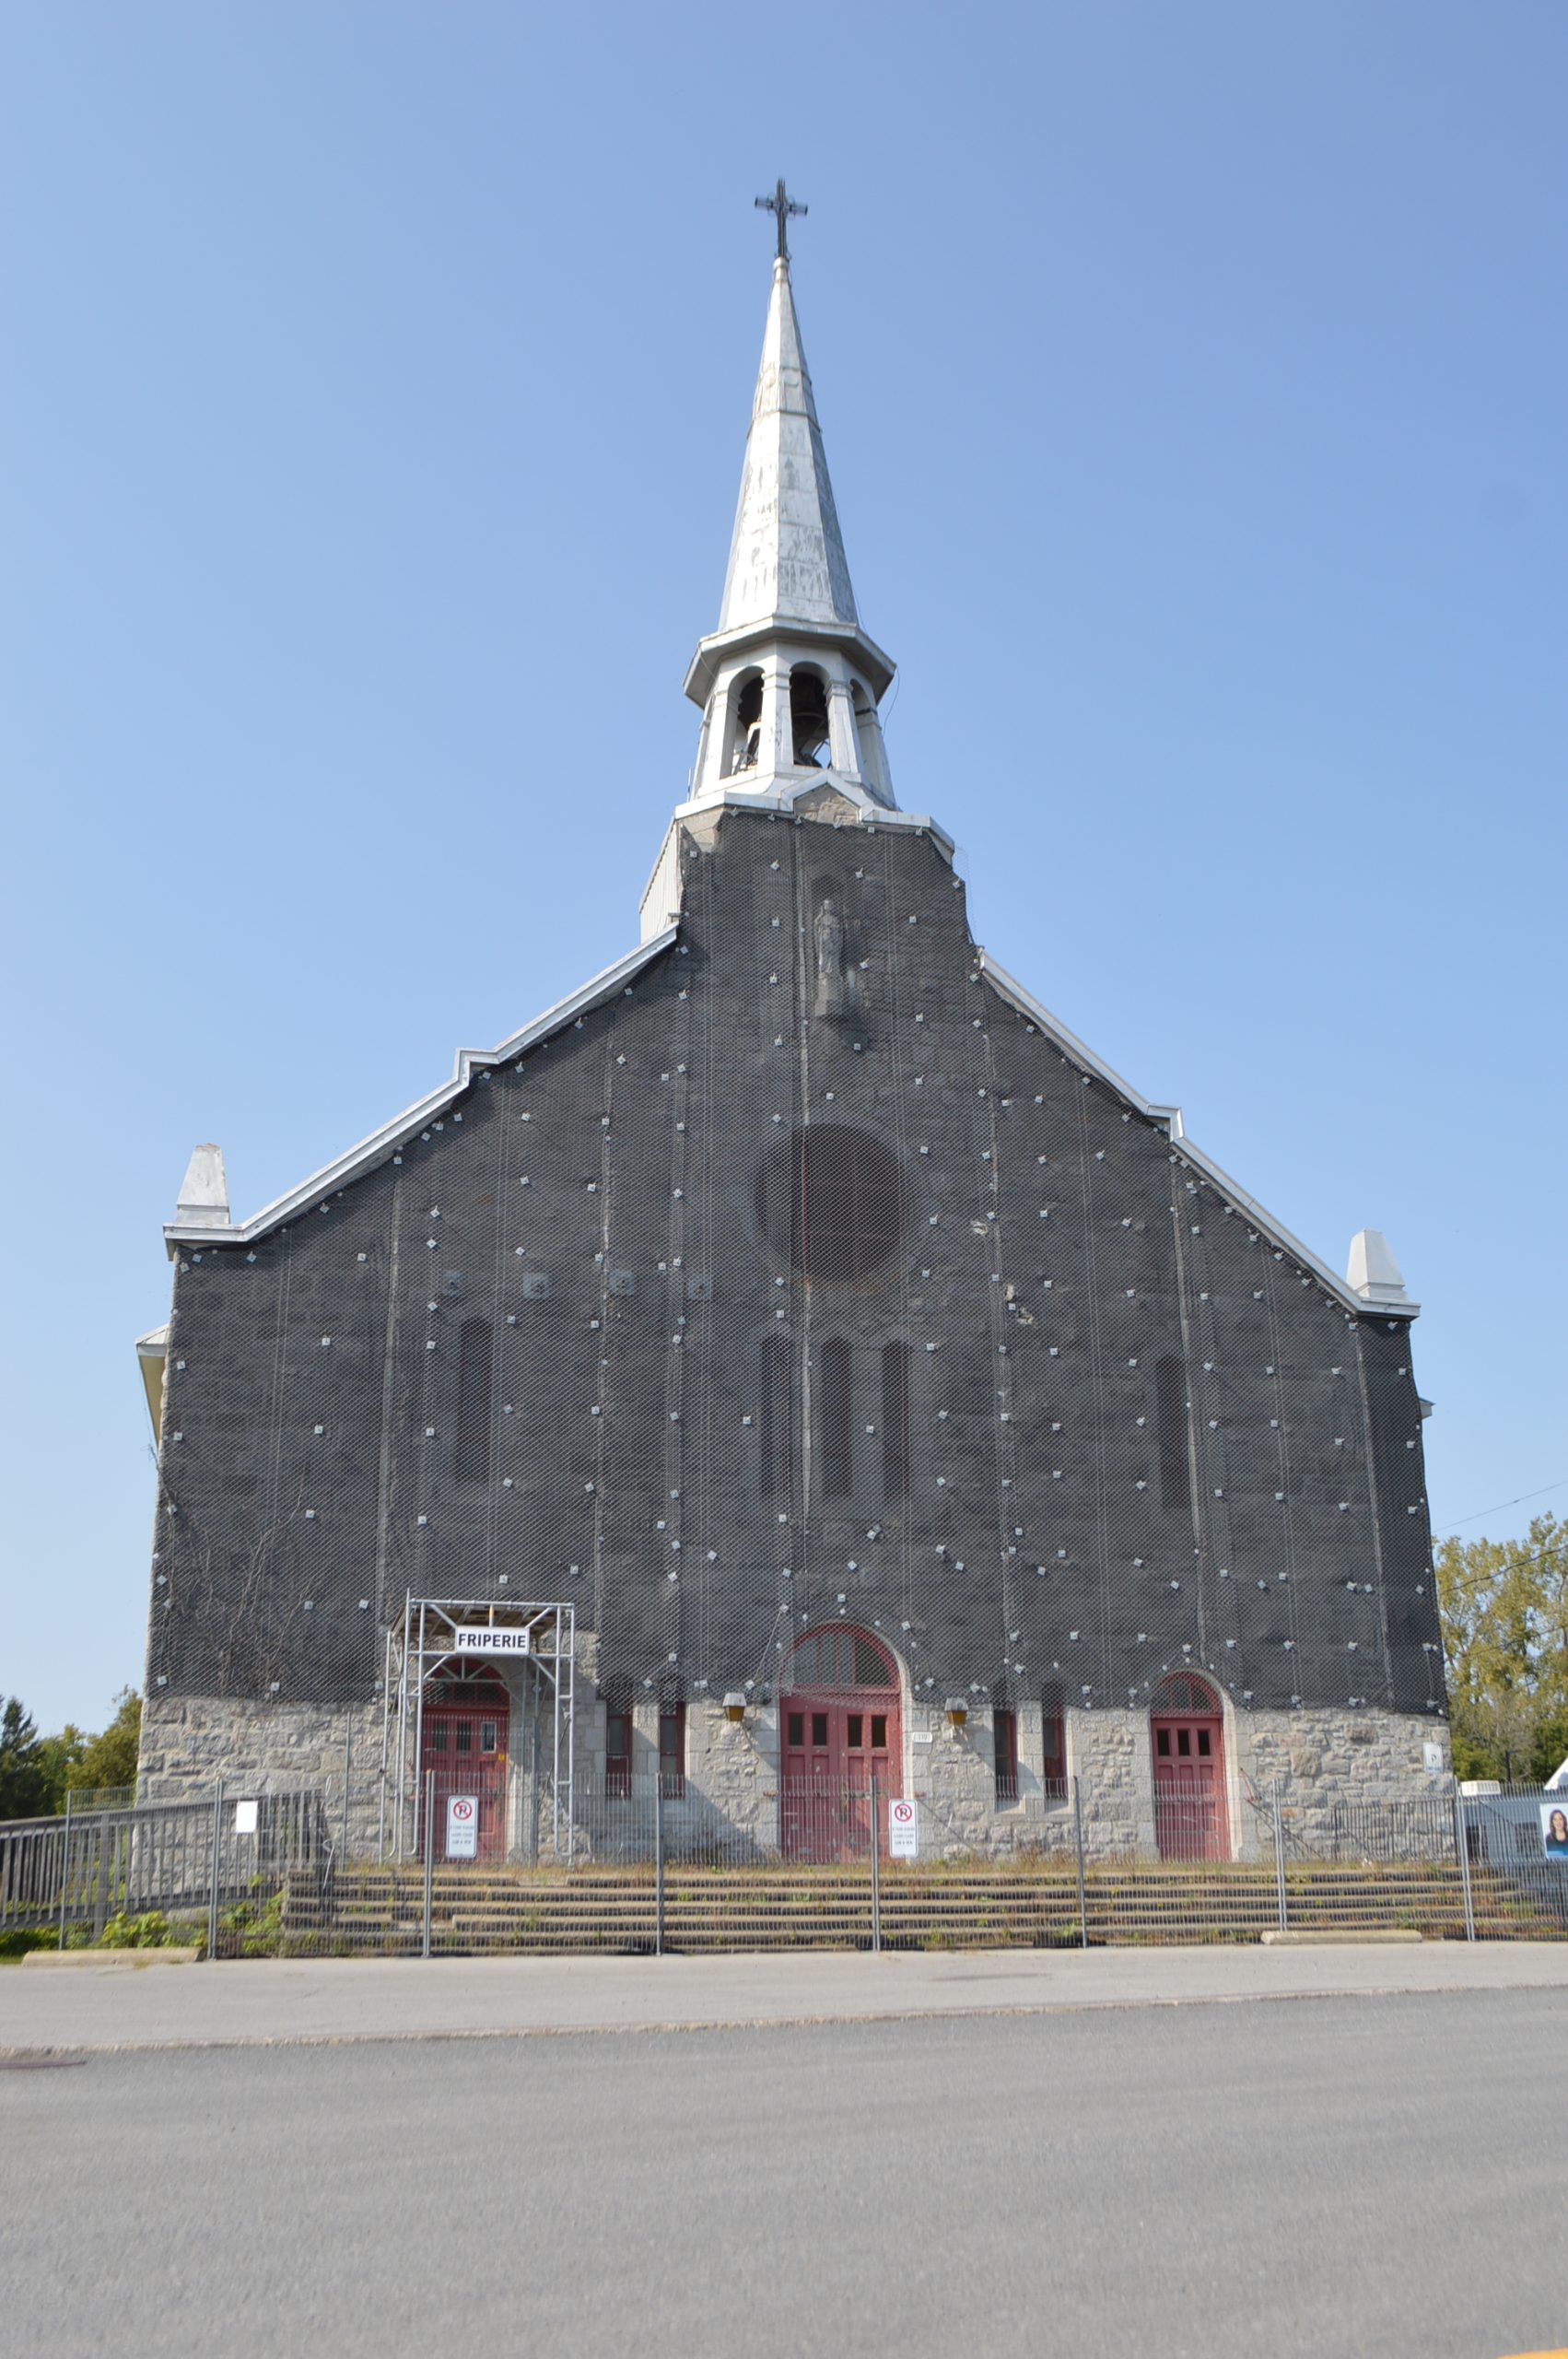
[1352, 2177]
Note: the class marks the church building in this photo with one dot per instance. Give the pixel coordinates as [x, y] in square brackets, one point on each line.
[794, 1358]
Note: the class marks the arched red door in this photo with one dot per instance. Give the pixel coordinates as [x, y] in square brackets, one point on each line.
[839, 1727]
[464, 1742]
[1187, 1735]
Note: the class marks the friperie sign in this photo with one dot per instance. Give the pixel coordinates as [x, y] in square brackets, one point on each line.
[484, 1640]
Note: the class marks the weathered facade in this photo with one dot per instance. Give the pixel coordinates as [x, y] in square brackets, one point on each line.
[799, 1271]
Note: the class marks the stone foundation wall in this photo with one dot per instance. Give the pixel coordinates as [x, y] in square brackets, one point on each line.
[188, 1743]
[1320, 1760]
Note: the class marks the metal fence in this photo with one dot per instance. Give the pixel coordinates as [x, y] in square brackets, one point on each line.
[818, 1863]
[215, 1869]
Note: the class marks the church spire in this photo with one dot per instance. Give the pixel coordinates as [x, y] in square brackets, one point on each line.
[788, 683]
[787, 560]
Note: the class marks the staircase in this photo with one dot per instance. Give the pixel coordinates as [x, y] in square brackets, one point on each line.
[612, 1910]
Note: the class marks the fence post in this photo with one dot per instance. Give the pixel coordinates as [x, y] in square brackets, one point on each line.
[429, 1857]
[659, 1863]
[216, 1844]
[1077, 1846]
[876, 1875]
[347, 1768]
[98, 1881]
[65, 1866]
[1278, 1854]
[1462, 1844]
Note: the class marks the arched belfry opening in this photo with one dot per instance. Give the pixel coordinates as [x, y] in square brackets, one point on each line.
[840, 1727]
[870, 754]
[810, 730]
[744, 733]
[1186, 1735]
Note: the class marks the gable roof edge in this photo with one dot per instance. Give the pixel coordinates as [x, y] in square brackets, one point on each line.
[1078, 1050]
[357, 1159]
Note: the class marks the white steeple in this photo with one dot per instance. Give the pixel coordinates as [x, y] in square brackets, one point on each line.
[788, 683]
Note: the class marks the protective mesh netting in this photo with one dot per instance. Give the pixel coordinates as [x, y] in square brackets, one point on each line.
[805, 1277]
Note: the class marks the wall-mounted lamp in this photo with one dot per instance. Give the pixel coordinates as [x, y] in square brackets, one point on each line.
[957, 1709]
[734, 1706]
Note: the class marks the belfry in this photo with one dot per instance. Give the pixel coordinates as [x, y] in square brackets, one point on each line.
[791, 1361]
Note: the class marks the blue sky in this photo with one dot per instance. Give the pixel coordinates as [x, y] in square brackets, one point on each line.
[376, 386]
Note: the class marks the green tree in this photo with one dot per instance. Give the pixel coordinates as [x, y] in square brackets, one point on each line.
[37, 1772]
[111, 1759]
[23, 1785]
[57, 1756]
[1504, 1609]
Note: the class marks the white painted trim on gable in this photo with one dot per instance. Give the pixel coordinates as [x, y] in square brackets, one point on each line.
[1084, 1057]
[152, 1360]
[403, 1126]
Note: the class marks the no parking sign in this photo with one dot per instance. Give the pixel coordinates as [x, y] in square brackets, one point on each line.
[902, 1830]
[463, 1827]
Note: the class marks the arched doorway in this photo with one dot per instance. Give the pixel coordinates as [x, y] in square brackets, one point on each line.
[1186, 1733]
[463, 1743]
[839, 1727]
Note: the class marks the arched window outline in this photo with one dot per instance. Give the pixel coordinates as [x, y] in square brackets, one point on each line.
[1186, 1695]
[1170, 1425]
[775, 1416]
[894, 1423]
[476, 1344]
[840, 1656]
[835, 1420]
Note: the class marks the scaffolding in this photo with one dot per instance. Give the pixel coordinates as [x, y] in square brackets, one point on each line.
[431, 1636]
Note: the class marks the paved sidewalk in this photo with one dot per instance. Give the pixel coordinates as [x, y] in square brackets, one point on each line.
[261, 2002]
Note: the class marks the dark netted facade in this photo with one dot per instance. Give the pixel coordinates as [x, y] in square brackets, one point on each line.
[800, 1272]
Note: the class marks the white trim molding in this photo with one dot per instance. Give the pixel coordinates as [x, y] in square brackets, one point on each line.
[1267, 1225]
[392, 1134]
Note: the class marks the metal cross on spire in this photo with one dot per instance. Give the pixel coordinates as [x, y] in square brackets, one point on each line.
[780, 205]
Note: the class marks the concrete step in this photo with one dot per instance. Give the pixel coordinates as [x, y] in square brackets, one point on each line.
[600, 1908]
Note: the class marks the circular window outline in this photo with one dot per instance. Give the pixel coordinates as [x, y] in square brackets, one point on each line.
[860, 1242]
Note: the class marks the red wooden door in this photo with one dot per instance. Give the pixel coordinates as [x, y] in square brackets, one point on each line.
[836, 1734]
[1189, 1786]
[465, 1745]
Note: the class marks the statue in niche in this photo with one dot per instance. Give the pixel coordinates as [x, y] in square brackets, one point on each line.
[832, 997]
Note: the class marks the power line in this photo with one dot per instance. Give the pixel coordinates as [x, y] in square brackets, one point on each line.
[1545, 1488]
[1541, 1556]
